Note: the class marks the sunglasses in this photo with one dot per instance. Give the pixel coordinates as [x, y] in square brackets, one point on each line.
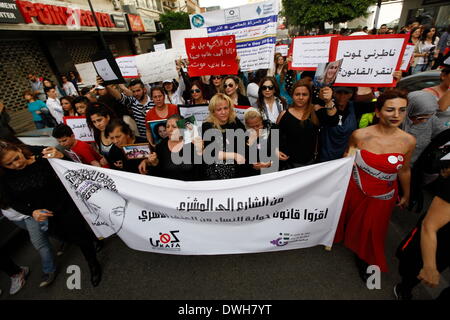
[196, 91]
[216, 77]
[264, 88]
[230, 85]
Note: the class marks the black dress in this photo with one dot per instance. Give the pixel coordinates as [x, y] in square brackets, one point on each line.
[38, 187]
[219, 170]
[188, 170]
[298, 140]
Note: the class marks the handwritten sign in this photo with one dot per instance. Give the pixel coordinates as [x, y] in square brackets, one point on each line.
[177, 37]
[283, 49]
[127, 66]
[87, 73]
[369, 61]
[80, 128]
[211, 56]
[308, 52]
[157, 66]
[105, 70]
[159, 47]
[407, 57]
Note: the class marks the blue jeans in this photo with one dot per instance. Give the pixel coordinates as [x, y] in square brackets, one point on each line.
[39, 124]
[40, 242]
[419, 68]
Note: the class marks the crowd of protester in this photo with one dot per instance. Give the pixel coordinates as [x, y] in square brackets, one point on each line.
[390, 135]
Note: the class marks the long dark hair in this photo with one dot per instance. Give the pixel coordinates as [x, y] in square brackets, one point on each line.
[411, 33]
[260, 102]
[102, 110]
[425, 31]
[70, 99]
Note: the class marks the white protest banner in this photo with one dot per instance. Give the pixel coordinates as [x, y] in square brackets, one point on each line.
[284, 210]
[127, 66]
[80, 128]
[283, 49]
[369, 61]
[200, 112]
[157, 66]
[309, 51]
[407, 57]
[255, 28]
[87, 73]
[177, 38]
[159, 47]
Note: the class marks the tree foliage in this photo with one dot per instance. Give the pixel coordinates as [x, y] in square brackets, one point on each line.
[313, 13]
[174, 21]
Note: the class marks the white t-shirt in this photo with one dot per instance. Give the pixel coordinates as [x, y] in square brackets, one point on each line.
[69, 88]
[54, 106]
[252, 93]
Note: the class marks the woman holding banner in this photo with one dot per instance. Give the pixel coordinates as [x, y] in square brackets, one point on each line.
[383, 154]
[222, 118]
[30, 186]
[299, 129]
[174, 147]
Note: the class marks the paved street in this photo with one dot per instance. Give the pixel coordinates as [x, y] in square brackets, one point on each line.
[290, 275]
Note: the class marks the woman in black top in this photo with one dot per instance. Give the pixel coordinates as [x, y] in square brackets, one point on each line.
[299, 129]
[198, 94]
[222, 118]
[164, 159]
[120, 134]
[30, 185]
[214, 86]
[234, 88]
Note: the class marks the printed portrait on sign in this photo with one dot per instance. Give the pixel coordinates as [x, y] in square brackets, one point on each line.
[326, 73]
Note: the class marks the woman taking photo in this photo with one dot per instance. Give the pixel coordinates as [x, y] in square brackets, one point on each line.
[222, 117]
[197, 92]
[68, 107]
[172, 147]
[299, 132]
[383, 153]
[161, 111]
[269, 102]
[30, 186]
[425, 50]
[234, 89]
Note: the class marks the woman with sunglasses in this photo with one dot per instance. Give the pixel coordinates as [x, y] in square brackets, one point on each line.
[214, 86]
[299, 129]
[234, 89]
[197, 92]
[30, 186]
[270, 103]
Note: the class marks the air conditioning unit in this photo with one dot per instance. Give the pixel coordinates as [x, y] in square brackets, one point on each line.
[130, 8]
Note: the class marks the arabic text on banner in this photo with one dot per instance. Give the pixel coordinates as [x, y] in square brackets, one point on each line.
[368, 60]
[285, 210]
[255, 28]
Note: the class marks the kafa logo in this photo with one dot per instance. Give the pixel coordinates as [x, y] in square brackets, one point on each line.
[167, 241]
[282, 240]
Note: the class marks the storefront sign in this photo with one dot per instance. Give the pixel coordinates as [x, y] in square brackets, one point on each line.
[9, 13]
[59, 16]
[135, 22]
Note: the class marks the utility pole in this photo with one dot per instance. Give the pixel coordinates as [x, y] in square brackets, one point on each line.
[102, 40]
[377, 14]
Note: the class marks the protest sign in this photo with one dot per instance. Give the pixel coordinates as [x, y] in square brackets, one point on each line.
[106, 67]
[177, 38]
[211, 55]
[285, 210]
[159, 47]
[255, 28]
[369, 61]
[200, 112]
[307, 52]
[127, 66]
[157, 66]
[240, 111]
[80, 128]
[407, 57]
[283, 49]
[87, 73]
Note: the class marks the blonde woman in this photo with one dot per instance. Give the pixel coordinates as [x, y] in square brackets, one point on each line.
[220, 122]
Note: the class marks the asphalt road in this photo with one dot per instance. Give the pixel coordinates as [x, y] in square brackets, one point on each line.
[311, 273]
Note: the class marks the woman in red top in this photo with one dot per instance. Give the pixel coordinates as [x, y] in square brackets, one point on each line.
[161, 111]
[383, 153]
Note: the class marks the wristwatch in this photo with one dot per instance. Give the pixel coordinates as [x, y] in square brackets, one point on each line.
[331, 107]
